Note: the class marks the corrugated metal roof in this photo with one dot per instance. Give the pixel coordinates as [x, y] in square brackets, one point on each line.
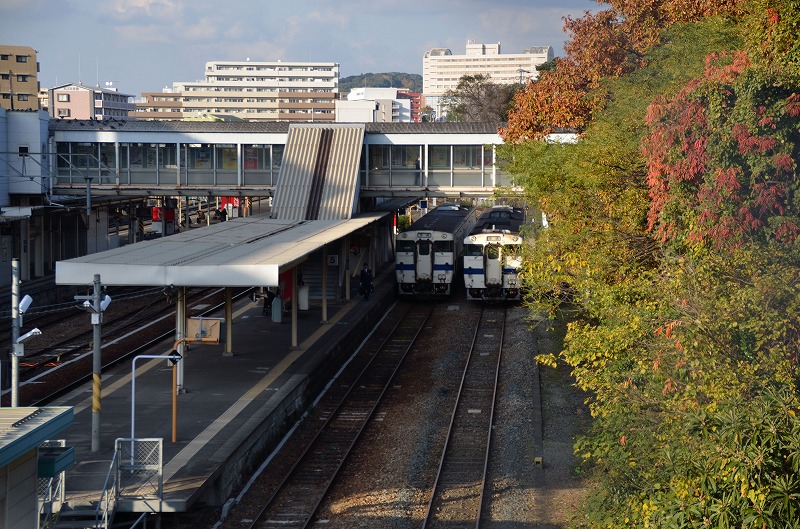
[241, 252]
[22, 429]
[319, 172]
[133, 125]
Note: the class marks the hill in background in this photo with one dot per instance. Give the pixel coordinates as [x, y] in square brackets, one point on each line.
[411, 81]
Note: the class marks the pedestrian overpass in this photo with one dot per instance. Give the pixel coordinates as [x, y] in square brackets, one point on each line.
[245, 159]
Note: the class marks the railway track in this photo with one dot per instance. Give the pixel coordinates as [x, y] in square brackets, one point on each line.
[458, 492]
[293, 504]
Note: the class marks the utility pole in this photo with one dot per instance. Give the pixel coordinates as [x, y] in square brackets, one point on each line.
[97, 365]
[96, 306]
[14, 332]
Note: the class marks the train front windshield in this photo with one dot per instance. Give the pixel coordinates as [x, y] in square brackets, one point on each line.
[443, 246]
[473, 250]
[405, 246]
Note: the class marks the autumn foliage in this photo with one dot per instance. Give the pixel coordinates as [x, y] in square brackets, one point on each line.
[606, 44]
[673, 251]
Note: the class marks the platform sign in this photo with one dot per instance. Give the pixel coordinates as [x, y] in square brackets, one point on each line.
[203, 329]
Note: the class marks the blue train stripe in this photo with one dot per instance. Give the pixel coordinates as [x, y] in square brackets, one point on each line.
[473, 271]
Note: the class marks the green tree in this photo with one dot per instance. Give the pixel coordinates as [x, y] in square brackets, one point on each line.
[672, 237]
[477, 99]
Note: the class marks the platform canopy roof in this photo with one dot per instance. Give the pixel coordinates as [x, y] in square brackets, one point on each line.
[242, 252]
[24, 429]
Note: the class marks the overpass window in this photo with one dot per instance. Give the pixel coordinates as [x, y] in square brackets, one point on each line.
[167, 155]
[467, 156]
[108, 157]
[199, 156]
[405, 156]
[277, 156]
[439, 157]
[227, 157]
[379, 156]
[84, 155]
[254, 157]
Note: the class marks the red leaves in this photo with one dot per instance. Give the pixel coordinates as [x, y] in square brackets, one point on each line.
[719, 163]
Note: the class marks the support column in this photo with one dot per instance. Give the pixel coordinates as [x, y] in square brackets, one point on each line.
[325, 283]
[228, 322]
[180, 336]
[346, 254]
[294, 308]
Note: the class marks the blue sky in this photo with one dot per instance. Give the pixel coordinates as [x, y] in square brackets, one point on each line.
[146, 45]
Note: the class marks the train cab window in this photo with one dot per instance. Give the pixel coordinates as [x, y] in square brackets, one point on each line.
[405, 246]
[443, 246]
[424, 248]
[493, 251]
[473, 250]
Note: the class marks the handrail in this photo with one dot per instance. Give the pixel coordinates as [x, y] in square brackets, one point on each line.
[108, 496]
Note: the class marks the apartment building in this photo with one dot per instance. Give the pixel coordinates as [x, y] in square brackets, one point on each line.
[76, 101]
[253, 91]
[374, 105]
[441, 70]
[19, 78]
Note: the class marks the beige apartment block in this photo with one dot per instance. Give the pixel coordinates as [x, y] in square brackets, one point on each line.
[19, 78]
[441, 70]
[252, 91]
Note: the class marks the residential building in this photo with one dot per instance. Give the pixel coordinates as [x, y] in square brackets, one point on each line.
[76, 101]
[253, 91]
[441, 70]
[19, 78]
[373, 105]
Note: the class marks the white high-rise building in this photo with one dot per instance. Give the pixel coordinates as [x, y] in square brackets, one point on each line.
[441, 70]
[256, 91]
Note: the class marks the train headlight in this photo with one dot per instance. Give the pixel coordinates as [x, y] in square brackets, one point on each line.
[442, 277]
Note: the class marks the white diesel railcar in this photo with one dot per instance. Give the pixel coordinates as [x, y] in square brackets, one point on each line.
[493, 255]
[428, 255]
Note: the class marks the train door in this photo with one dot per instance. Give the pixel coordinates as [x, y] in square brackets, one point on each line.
[424, 258]
[493, 265]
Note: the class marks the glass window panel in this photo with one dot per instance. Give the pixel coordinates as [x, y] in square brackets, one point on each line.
[405, 156]
[199, 156]
[405, 246]
[439, 157]
[167, 155]
[84, 155]
[424, 247]
[443, 246]
[227, 157]
[379, 157]
[108, 156]
[473, 250]
[277, 156]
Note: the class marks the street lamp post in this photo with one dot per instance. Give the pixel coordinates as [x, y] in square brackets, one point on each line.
[18, 308]
[96, 308]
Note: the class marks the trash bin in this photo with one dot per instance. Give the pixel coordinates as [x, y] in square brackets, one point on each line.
[302, 297]
[277, 310]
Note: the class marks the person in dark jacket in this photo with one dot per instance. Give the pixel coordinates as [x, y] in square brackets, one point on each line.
[366, 281]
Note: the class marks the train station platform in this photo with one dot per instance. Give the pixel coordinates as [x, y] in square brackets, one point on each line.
[235, 408]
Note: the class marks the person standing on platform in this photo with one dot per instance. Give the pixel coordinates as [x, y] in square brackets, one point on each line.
[366, 281]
